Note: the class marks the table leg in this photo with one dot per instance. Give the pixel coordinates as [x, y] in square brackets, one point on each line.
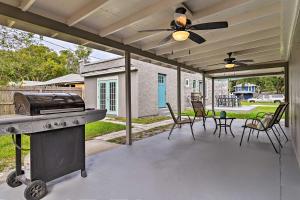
[231, 129]
[220, 127]
[216, 126]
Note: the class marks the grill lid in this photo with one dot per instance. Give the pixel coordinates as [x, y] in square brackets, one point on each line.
[47, 103]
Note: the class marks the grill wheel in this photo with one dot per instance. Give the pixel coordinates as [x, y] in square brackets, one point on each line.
[12, 181]
[35, 190]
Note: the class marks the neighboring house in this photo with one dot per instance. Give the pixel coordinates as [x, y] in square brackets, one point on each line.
[70, 80]
[245, 91]
[152, 87]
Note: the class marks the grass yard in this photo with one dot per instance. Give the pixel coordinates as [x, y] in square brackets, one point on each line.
[7, 153]
[144, 120]
[265, 107]
[99, 128]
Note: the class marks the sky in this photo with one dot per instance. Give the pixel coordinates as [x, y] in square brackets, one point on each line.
[58, 45]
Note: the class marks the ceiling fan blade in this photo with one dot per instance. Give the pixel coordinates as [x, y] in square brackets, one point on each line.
[166, 39]
[210, 25]
[240, 64]
[249, 60]
[215, 64]
[156, 30]
[196, 38]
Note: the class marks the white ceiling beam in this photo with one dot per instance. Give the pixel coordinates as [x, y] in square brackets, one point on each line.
[137, 16]
[85, 11]
[233, 31]
[26, 4]
[255, 35]
[252, 44]
[207, 12]
[233, 21]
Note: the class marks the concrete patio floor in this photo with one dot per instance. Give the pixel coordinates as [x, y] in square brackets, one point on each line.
[209, 168]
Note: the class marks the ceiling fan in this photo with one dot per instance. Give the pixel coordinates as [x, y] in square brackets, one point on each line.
[231, 62]
[181, 27]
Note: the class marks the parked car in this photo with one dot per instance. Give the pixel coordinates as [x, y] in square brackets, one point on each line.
[276, 98]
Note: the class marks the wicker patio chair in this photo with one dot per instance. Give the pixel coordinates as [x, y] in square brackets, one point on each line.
[178, 121]
[265, 124]
[200, 112]
[277, 121]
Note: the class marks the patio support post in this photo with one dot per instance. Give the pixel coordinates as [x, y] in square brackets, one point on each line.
[179, 91]
[203, 89]
[128, 98]
[213, 94]
[286, 94]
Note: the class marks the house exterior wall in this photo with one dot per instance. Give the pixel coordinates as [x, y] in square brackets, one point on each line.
[294, 92]
[91, 92]
[148, 87]
[144, 86]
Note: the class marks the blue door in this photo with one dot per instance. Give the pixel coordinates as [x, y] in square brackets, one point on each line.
[161, 90]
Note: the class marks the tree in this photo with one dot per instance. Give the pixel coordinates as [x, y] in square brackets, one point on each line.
[14, 39]
[23, 58]
[36, 63]
[80, 54]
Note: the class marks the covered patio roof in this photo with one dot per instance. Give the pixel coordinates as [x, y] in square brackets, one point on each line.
[258, 29]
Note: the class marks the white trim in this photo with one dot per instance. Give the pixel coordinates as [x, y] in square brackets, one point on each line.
[109, 78]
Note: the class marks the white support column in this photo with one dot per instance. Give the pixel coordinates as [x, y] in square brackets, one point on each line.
[179, 91]
[286, 94]
[204, 90]
[128, 98]
[213, 94]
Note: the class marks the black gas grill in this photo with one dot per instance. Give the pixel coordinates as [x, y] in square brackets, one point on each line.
[55, 123]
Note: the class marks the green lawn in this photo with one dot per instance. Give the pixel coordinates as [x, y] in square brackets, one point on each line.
[144, 120]
[7, 149]
[270, 108]
[99, 128]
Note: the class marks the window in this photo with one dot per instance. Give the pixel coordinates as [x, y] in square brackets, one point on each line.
[187, 83]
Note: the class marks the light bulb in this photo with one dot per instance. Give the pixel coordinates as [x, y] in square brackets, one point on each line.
[180, 35]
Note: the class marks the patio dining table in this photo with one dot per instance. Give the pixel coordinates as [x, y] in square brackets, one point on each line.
[225, 122]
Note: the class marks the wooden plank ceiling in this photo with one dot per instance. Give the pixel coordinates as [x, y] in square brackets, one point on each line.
[258, 29]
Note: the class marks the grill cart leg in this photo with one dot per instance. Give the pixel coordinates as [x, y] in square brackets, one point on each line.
[11, 179]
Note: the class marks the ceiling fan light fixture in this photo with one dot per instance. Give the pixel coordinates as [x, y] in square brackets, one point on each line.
[181, 35]
[180, 19]
[230, 65]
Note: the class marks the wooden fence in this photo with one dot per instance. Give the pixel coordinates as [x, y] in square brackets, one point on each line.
[7, 95]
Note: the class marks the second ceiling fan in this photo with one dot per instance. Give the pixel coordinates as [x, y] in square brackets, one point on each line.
[181, 27]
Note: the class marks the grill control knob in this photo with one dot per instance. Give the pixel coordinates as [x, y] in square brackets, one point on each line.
[48, 126]
[76, 122]
[63, 123]
[11, 129]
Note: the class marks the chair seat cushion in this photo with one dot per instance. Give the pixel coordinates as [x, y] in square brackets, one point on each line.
[252, 125]
[266, 120]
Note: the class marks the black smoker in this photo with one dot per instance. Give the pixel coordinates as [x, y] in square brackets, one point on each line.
[56, 127]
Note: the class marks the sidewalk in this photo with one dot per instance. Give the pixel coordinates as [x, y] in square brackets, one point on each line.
[136, 128]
